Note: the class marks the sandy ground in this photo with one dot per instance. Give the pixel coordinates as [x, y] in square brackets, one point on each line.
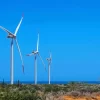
[81, 98]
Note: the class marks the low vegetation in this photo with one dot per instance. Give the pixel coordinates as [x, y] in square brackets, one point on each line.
[46, 92]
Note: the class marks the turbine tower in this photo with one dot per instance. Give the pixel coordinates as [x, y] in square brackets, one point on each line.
[36, 53]
[49, 63]
[12, 36]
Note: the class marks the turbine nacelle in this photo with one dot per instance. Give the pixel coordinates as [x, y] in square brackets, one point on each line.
[35, 52]
[11, 36]
[49, 59]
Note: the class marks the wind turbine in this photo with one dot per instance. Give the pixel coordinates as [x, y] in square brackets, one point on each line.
[12, 36]
[36, 53]
[49, 63]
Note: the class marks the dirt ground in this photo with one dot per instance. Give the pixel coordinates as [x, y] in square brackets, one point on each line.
[82, 98]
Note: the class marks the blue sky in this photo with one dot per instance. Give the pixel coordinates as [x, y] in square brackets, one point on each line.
[70, 29]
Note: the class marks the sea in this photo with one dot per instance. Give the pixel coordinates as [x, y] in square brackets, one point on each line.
[52, 82]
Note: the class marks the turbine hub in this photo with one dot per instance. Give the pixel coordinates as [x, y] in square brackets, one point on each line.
[35, 52]
[11, 36]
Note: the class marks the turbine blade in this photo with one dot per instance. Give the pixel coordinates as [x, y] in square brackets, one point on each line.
[18, 26]
[20, 55]
[6, 30]
[42, 61]
[38, 42]
[50, 55]
[29, 54]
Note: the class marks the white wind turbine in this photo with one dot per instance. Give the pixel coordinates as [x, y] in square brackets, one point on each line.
[12, 36]
[36, 53]
[49, 63]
